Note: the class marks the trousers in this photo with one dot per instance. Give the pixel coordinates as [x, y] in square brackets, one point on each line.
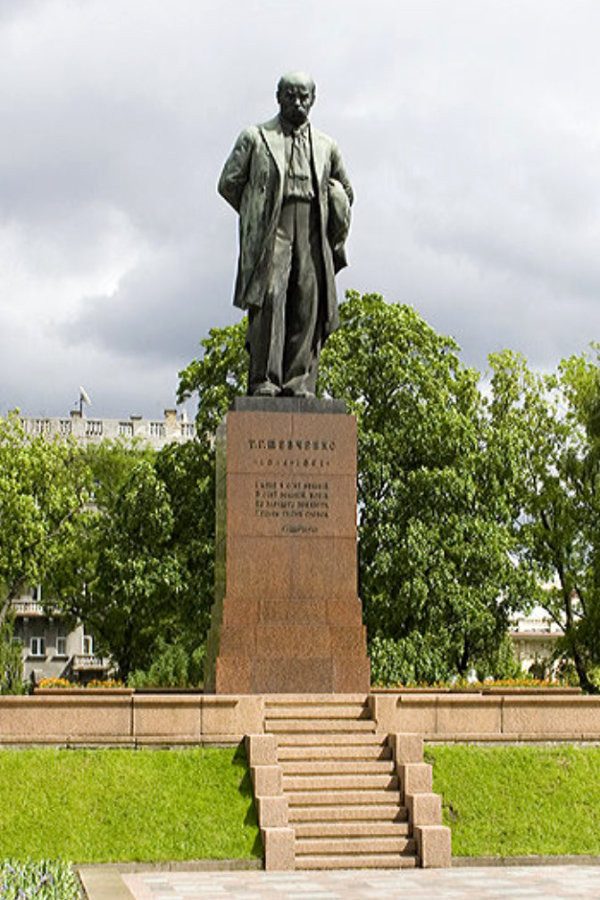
[284, 335]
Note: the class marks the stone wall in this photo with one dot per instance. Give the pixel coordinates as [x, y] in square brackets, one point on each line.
[138, 720]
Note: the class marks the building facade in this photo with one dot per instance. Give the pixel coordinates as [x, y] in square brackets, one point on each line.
[533, 639]
[50, 648]
[155, 432]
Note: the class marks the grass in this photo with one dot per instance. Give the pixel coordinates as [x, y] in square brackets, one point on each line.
[124, 805]
[519, 801]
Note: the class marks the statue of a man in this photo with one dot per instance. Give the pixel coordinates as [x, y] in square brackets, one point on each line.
[287, 182]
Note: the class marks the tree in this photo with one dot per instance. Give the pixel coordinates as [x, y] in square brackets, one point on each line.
[122, 580]
[44, 490]
[435, 540]
[554, 425]
[140, 573]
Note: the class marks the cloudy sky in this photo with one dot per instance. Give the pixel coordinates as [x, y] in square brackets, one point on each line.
[470, 129]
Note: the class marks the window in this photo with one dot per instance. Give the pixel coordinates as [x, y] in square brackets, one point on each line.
[61, 646]
[37, 646]
[93, 427]
[88, 645]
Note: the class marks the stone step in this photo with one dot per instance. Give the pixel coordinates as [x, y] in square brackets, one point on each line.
[350, 829]
[293, 752]
[343, 797]
[357, 861]
[352, 711]
[310, 726]
[358, 845]
[359, 812]
[337, 767]
[308, 699]
[320, 739]
[356, 782]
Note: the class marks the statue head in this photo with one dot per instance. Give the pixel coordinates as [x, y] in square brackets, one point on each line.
[296, 93]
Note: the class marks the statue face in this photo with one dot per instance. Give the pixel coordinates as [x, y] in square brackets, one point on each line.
[295, 101]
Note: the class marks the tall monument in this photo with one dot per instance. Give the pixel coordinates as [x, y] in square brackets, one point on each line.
[287, 617]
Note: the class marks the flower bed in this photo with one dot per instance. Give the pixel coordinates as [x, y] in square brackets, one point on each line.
[44, 880]
[500, 686]
[62, 686]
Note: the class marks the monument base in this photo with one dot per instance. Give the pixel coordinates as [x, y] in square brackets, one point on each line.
[286, 618]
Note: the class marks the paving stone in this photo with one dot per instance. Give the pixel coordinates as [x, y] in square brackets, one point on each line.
[528, 882]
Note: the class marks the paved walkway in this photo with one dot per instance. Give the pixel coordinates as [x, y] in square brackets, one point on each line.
[493, 883]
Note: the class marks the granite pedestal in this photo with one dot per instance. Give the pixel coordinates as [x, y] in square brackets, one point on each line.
[286, 618]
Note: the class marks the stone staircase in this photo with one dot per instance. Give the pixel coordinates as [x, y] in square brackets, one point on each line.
[332, 792]
[341, 785]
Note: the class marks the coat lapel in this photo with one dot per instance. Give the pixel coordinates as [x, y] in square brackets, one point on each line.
[274, 139]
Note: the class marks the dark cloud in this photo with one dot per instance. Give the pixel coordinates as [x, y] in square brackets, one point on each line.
[469, 129]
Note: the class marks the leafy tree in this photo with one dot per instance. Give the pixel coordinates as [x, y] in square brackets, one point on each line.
[44, 490]
[217, 376]
[436, 546]
[435, 540]
[130, 575]
[554, 426]
[140, 572]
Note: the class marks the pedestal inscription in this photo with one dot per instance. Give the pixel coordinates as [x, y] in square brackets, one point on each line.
[287, 616]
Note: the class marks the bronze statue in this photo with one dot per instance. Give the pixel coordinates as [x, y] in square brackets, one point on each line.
[287, 182]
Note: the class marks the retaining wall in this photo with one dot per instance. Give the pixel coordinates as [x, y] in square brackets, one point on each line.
[126, 719]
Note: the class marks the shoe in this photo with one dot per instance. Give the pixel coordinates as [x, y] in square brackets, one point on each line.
[303, 395]
[267, 389]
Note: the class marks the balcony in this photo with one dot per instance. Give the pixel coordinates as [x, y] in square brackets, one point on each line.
[89, 662]
[27, 608]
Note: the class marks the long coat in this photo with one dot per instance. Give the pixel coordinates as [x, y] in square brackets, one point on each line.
[252, 182]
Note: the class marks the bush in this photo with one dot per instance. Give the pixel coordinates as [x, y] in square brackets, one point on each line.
[11, 662]
[173, 667]
[413, 660]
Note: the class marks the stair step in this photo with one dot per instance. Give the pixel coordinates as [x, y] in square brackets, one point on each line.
[323, 739]
[310, 726]
[317, 711]
[357, 861]
[343, 797]
[364, 845]
[339, 782]
[308, 699]
[337, 767]
[371, 752]
[384, 812]
[345, 829]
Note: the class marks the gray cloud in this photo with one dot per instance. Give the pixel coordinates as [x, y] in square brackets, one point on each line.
[470, 131]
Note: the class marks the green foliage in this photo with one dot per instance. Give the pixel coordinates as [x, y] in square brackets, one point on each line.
[498, 662]
[416, 659]
[172, 667]
[141, 570]
[217, 376]
[124, 805]
[436, 544]
[11, 661]
[519, 801]
[44, 488]
[44, 880]
[552, 421]
[435, 540]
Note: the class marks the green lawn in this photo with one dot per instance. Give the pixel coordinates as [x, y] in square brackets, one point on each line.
[125, 805]
[519, 801]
